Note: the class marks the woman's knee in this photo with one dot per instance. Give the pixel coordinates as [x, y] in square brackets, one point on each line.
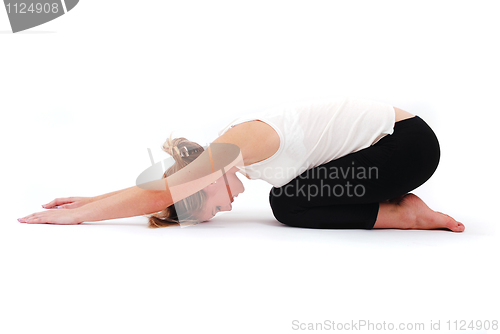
[430, 155]
[282, 209]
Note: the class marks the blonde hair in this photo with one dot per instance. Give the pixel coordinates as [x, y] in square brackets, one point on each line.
[185, 209]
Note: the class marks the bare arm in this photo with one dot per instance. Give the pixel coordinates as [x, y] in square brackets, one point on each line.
[152, 196]
[76, 201]
[238, 136]
[130, 202]
[156, 195]
[97, 198]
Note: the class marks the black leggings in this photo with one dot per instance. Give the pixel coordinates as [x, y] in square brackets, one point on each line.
[345, 193]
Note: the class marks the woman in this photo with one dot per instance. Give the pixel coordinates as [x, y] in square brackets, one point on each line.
[333, 163]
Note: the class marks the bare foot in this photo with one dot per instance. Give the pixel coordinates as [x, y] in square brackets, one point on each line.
[423, 218]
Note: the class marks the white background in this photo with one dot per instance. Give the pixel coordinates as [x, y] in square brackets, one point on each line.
[83, 97]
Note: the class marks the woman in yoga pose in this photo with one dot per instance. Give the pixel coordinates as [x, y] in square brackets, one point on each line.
[338, 163]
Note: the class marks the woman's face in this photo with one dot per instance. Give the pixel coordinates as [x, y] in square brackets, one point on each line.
[218, 198]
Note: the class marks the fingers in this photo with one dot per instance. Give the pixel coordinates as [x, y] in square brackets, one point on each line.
[66, 206]
[34, 218]
[33, 221]
[24, 219]
[57, 202]
[52, 203]
[29, 218]
[57, 217]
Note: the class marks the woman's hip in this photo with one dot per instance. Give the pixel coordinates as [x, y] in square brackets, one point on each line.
[415, 152]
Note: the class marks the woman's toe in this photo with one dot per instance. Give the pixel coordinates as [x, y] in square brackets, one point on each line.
[455, 226]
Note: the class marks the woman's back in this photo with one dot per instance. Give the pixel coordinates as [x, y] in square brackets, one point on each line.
[281, 142]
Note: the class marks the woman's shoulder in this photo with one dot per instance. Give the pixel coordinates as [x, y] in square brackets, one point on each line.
[256, 139]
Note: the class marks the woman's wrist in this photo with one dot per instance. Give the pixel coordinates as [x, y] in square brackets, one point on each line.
[92, 199]
[78, 214]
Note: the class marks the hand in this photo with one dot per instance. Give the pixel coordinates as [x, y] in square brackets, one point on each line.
[59, 217]
[68, 203]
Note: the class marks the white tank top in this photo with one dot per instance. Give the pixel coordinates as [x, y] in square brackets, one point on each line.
[315, 132]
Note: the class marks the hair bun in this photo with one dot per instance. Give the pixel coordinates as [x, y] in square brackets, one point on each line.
[182, 149]
[176, 149]
[170, 147]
